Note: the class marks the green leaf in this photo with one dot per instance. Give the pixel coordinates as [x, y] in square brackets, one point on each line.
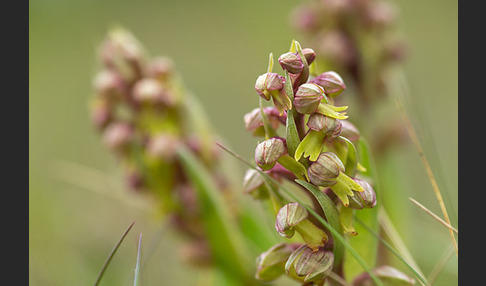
[365, 243]
[351, 163]
[331, 214]
[270, 63]
[304, 74]
[227, 243]
[292, 135]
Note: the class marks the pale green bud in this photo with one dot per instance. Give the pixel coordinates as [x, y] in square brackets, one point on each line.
[291, 62]
[289, 216]
[271, 263]
[331, 82]
[330, 126]
[269, 151]
[308, 265]
[325, 170]
[308, 97]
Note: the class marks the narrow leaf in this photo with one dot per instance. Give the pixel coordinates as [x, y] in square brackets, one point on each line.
[226, 240]
[112, 253]
[429, 212]
[136, 279]
[331, 214]
[392, 233]
[351, 164]
[292, 135]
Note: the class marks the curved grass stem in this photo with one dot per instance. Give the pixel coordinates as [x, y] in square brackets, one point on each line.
[112, 253]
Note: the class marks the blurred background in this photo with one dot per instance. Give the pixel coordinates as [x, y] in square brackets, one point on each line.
[78, 204]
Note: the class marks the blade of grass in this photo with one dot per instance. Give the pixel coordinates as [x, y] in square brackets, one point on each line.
[387, 245]
[112, 253]
[440, 265]
[392, 233]
[425, 162]
[334, 232]
[429, 212]
[136, 278]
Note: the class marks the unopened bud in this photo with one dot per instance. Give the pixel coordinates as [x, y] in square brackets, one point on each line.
[349, 131]
[161, 68]
[308, 97]
[387, 274]
[291, 62]
[124, 53]
[325, 170]
[109, 85]
[328, 125]
[253, 184]
[309, 265]
[269, 151]
[367, 198]
[271, 85]
[117, 136]
[101, 114]
[337, 46]
[268, 82]
[380, 14]
[294, 217]
[163, 147]
[288, 217]
[309, 55]
[271, 263]
[305, 18]
[331, 82]
[148, 90]
[254, 123]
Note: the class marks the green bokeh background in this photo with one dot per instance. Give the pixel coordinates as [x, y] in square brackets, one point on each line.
[78, 206]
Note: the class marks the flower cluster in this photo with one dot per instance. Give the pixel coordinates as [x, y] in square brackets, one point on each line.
[319, 149]
[140, 109]
[355, 38]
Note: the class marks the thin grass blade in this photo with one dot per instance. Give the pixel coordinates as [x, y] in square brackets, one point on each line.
[392, 233]
[387, 245]
[440, 265]
[112, 253]
[136, 278]
[429, 212]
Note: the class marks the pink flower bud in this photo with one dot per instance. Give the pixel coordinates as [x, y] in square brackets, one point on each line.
[308, 97]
